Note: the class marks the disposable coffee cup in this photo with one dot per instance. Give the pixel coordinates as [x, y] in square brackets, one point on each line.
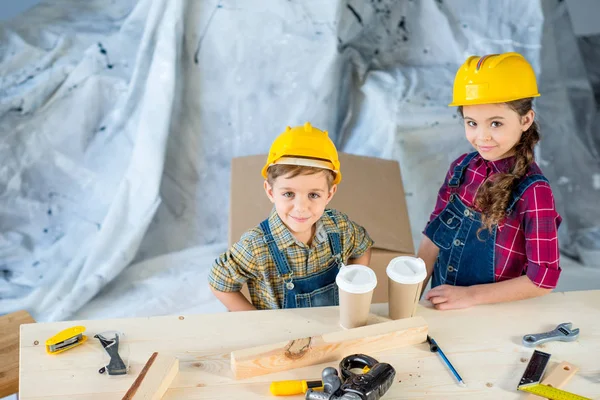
[356, 283]
[405, 280]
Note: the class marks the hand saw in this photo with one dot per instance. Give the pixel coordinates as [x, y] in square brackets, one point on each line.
[530, 382]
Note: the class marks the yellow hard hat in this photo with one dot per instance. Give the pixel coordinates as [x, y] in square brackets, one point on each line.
[304, 145]
[495, 78]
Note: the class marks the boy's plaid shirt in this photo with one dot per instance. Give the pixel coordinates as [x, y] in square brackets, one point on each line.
[249, 259]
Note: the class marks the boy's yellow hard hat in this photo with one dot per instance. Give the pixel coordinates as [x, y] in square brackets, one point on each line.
[304, 145]
[494, 78]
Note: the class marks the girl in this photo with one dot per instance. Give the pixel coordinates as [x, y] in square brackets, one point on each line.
[492, 236]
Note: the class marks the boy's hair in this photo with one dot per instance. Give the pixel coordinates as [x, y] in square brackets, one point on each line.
[291, 171]
[494, 195]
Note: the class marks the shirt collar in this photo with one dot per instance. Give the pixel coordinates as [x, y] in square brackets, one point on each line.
[284, 238]
[502, 166]
[282, 235]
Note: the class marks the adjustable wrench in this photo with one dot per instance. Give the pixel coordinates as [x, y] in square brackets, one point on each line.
[563, 332]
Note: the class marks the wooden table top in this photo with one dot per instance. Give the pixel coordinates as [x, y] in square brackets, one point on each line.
[483, 343]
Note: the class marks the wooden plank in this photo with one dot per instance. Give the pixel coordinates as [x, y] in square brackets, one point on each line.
[154, 379]
[558, 377]
[330, 347]
[9, 350]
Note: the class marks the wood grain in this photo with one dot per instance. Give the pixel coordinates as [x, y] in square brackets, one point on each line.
[484, 344]
[138, 381]
[9, 350]
[154, 379]
[330, 347]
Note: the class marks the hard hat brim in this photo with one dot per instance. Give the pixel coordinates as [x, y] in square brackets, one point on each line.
[306, 162]
[490, 101]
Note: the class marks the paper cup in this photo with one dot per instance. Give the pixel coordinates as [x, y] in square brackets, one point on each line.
[405, 280]
[356, 284]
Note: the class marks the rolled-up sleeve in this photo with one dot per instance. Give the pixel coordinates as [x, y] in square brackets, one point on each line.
[233, 268]
[540, 226]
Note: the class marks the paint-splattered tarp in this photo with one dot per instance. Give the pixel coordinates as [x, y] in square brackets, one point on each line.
[118, 121]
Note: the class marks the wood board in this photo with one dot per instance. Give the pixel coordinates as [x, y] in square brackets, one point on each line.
[154, 379]
[9, 350]
[330, 347]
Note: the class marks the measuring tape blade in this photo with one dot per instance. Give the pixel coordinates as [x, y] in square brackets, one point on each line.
[551, 393]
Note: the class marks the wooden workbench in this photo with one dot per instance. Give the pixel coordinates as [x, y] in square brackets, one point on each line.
[483, 343]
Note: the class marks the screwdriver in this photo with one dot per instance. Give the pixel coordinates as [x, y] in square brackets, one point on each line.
[285, 388]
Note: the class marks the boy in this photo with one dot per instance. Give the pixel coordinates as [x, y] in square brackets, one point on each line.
[292, 258]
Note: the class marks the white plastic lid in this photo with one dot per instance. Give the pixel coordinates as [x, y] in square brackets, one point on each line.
[407, 270]
[356, 278]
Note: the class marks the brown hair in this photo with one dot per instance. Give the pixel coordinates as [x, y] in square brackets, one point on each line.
[291, 171]
[493, 196]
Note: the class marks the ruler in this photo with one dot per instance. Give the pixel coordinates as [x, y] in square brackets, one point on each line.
[557, 378]
[549, 392]
[530, 382]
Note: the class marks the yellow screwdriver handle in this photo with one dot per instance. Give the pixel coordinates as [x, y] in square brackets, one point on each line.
[286, 388]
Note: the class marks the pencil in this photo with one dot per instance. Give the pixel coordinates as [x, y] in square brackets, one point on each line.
[435, 348]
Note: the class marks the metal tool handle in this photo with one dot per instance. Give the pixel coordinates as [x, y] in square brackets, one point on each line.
[317, 395]
[560, 333]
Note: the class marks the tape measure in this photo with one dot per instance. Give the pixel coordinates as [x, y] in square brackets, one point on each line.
[530, 382]
[549, 392]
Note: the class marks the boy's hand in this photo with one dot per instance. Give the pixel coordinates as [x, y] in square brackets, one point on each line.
[448, 297]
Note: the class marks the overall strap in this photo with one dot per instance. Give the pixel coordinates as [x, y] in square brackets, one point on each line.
[280, 260]
[335, 241]
[459, 170]
[523, 185]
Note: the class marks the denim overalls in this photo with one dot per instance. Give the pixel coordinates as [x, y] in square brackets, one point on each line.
[464, 259]
[316, 290]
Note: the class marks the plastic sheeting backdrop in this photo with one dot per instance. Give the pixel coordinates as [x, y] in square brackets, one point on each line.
[118, 123]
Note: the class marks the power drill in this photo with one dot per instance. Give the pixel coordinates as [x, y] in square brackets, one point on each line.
[370, 385]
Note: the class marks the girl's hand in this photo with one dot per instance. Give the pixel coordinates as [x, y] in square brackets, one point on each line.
[448, 297]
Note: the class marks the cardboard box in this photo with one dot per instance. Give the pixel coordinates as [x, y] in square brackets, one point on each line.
[371, 194]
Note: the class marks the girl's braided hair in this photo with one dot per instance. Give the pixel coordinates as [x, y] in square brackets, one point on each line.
[494, 195]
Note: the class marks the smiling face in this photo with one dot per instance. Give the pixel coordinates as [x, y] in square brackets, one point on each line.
[300, 201]
[494, 129]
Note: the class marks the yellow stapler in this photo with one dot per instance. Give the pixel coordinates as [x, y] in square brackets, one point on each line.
[65, 340]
